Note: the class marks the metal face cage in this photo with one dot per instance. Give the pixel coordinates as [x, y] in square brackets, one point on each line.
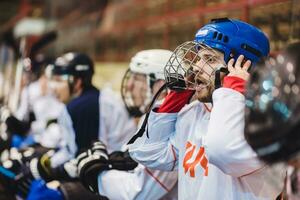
[193, 66]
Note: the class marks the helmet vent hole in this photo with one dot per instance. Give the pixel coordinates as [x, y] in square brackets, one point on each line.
[251, 50]
[225, 39]
[215, 35]
[220, 36]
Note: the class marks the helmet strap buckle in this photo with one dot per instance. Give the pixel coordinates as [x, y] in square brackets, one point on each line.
[218, 83]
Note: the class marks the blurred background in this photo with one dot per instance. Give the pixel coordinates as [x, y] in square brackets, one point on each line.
[111, 31]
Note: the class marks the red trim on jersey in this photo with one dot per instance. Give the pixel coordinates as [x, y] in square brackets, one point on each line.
[174, 101]
[156, 179]
[206, 107]
[174, 155]
[235, 83]
[253, 171]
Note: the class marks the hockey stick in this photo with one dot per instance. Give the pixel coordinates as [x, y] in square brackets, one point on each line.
[42, 42]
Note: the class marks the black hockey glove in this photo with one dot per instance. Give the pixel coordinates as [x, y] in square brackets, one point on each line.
[95, 160]
[122, 161]
[90, 164]
[66, 172]
[15, 177]
[40, 168]
[16, 126]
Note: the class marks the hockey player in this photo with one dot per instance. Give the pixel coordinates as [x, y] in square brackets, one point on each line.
[90, 114]
[37, 107]
[94, 115]
[205, 139]
[272, 114]
[41, 133]
[142, 80]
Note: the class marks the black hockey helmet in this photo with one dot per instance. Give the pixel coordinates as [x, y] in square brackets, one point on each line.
[75, 64]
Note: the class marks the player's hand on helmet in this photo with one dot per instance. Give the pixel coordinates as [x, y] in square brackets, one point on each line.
[90, 163]
[240, 68]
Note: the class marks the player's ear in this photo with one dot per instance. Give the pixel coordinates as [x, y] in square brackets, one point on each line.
[78, 84]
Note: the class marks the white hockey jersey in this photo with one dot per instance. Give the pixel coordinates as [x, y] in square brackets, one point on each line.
[44, 106]
[115, 124]
[139, 184]
[208, 148]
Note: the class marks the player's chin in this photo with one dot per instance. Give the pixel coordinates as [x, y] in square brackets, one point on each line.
[137, 103]
[204, 95]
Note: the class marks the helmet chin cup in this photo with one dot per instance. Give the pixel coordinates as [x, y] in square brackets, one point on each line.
[176, 82]
[135, 111]
[218, 81]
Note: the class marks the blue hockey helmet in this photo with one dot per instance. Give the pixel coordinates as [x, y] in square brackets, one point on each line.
[233, 38]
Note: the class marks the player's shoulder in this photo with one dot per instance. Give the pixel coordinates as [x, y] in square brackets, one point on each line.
[110, 101]
[34, 89]
[88, 97]
[107, 94]
[194, 106]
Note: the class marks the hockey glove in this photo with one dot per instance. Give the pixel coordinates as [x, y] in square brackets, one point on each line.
[121, 161]
[90, 164]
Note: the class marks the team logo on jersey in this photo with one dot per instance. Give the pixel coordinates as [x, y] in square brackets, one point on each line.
[189, 164]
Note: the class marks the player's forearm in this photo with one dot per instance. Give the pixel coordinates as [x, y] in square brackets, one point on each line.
[158, 156]
[156, 151]
[225, 144]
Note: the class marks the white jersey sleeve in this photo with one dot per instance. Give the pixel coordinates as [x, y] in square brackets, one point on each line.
[116, 125]
[159, 150]
[46, 108]
[29, 95]
[224, 143]
[125, 185]
[68, 146]
[139, 184]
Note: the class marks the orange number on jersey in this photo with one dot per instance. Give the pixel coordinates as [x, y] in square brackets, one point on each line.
[199, 160]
